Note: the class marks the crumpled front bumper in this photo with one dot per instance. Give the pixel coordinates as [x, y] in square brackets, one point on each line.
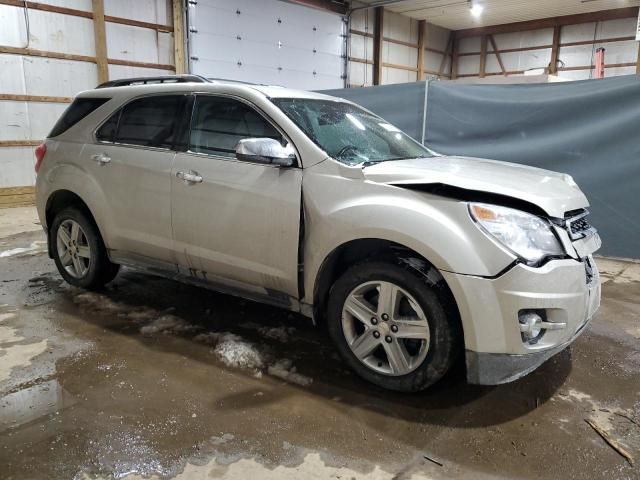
[489, 308]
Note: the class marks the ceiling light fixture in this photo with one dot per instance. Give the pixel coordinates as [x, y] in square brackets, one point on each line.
[475, 8]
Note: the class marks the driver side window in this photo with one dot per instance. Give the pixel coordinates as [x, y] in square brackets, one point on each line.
[219, 123]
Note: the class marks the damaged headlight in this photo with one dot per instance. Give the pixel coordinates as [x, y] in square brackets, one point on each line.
[526, 235]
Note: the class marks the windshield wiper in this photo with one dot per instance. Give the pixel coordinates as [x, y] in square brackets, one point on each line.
[368, 163]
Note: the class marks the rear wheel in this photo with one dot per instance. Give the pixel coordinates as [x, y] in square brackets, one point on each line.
[78, 250]
[391, 325]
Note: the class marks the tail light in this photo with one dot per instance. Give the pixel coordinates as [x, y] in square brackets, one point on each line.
[40, 152]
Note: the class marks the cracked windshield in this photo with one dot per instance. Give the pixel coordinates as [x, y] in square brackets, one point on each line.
[350, 134]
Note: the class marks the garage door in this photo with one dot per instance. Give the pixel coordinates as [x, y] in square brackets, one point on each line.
[266, 41]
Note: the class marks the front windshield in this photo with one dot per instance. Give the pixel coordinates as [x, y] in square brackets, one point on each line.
[348, 133]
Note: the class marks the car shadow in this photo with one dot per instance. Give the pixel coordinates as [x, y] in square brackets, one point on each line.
[451, 402]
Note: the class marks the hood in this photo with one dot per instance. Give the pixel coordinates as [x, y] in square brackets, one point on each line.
[555, 193]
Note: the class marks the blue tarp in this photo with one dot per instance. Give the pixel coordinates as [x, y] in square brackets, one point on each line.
[589, 129]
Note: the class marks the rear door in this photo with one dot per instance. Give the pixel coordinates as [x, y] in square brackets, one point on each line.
[240, 223]
[131, 161]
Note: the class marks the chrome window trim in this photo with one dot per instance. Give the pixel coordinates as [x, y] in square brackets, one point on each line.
[96, 141]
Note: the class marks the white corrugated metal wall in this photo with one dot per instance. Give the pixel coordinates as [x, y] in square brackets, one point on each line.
[35, 89]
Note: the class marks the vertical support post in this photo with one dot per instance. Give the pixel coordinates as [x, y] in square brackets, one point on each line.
[600, 63]
[422, 40]
[454, 57]
[483, 56]
[178, 36]
[377, 45]
[555, 50]
[100, 37]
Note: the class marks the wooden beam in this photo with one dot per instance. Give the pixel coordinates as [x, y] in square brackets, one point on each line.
[100, 36]
[555, 50]
[436, 74]
[454, 57]
[178, 36]
[361, 33]
[10, 97]
[483, 56]
[551, 22]
[129, 63]
[20, 143]
[137, 23]
[448, 52]
[84, 14]
[422, 40]
[400, 42]
[32, 52]
[17, 196]
[600, 40]
[508, 50]
[591, 67]
[335, 7]
[397, 66]
[377, 45]
[496, 52]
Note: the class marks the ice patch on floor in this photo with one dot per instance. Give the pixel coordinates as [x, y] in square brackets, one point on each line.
[6, 316]
[98, 302]
[311, 466]
[234, 351]
[167, 324]
[285, 370]
[16, 355]
[280, 334]
[35, 248]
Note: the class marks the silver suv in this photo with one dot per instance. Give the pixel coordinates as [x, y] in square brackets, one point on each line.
[313, 204]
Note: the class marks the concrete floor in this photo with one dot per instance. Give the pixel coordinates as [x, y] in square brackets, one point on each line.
[153, 378]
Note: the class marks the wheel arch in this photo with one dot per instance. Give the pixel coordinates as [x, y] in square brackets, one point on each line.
[58, 201]
[355, 251]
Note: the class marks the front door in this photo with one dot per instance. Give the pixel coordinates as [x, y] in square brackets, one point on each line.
[235, 222]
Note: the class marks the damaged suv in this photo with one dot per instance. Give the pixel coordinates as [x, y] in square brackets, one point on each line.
[316, 205]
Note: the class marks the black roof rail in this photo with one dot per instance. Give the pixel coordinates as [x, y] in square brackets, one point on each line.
[123, 82]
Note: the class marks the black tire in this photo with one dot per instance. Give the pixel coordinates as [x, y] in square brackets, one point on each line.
[428, 289]
[100, 269]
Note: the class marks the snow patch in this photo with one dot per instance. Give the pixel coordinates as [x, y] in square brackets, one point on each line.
[285, 370]
[233, 351]
[167, 324]
[35, 248]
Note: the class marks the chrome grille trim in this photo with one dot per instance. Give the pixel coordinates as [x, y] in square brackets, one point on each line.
[577, 226]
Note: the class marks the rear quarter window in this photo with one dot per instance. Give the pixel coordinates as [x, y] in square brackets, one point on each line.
[80, 108]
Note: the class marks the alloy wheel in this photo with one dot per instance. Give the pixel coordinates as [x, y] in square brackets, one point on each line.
[73, 248]
[385, 328]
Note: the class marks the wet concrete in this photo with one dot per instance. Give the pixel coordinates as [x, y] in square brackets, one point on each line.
[154, 378]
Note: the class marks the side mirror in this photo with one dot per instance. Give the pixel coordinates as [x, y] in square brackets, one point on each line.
[265, 150]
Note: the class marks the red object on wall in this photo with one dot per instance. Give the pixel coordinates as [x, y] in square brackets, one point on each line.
[600, 63]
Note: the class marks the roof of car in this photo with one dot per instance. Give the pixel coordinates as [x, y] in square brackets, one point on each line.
[138, 88]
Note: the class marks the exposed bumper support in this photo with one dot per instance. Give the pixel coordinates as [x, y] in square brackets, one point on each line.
[498, 368]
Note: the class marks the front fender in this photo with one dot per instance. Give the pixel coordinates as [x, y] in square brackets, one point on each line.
[339, 210]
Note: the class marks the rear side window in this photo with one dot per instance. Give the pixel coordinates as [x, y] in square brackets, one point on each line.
[220, 123]
[150, 121]
[107, 132]
[80, 108]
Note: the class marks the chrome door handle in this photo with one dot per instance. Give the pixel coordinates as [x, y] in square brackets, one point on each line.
[101, 158]
[189, 177]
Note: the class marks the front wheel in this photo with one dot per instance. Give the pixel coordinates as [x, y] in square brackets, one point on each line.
[78, 250]
[391, 325]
